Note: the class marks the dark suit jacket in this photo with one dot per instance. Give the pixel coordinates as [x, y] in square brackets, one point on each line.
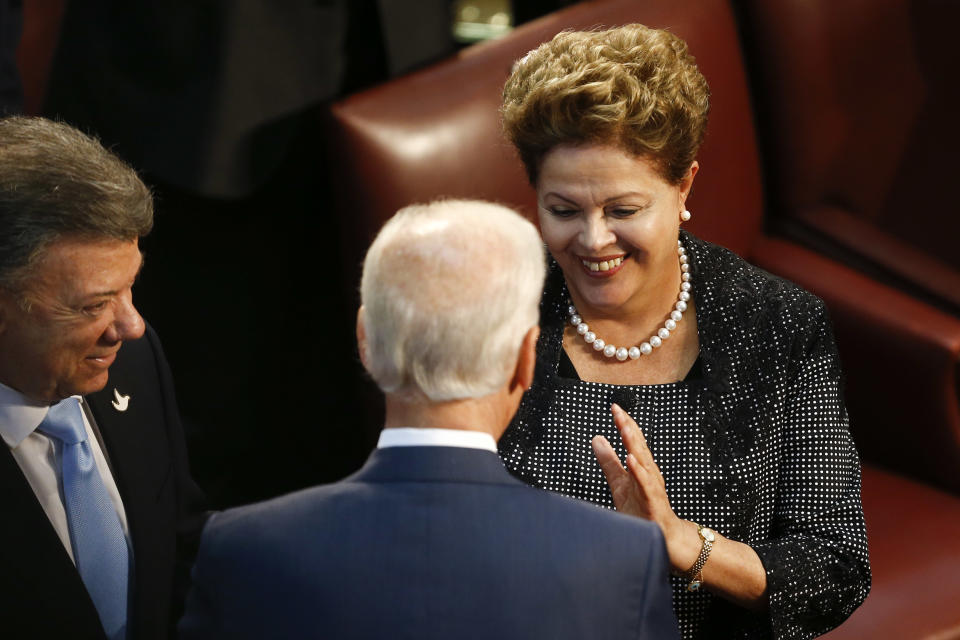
[429, 542]
[41, 594]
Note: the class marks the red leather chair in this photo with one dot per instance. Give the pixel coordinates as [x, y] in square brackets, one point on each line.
[914, 563]
[436, 133]
[856, 103]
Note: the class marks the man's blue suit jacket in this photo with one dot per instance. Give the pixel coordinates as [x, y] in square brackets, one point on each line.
[429, 542]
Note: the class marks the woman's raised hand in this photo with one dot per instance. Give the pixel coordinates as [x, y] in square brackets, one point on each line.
[638, 490]
[736, 572]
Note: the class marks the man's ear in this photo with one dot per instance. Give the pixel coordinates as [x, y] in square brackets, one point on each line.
[526, 361]
[362, 338]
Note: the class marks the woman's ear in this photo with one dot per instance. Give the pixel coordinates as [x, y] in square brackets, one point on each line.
[686, 183]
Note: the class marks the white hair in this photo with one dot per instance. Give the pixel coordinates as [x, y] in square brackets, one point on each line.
[450, 289]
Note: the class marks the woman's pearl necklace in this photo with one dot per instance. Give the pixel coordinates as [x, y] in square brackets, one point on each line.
[622, 353]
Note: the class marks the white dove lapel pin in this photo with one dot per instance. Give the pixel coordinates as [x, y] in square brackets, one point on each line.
[122, 402]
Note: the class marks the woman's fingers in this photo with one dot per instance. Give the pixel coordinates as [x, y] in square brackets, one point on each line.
[640, 473]
[637, 489]
[633, 438]
[609, 462]
[644, 468]
[623, 487]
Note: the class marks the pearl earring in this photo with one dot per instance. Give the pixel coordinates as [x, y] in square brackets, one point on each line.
[685, 215]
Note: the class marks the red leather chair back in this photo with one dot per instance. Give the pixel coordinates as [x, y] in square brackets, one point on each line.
[436, 132]
[857, 101]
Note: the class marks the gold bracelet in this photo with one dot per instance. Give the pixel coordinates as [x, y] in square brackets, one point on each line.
[694, 573]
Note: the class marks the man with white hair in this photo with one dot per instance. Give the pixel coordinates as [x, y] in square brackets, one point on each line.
[432, 538]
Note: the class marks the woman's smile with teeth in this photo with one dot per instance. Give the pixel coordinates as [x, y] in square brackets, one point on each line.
[603, 265]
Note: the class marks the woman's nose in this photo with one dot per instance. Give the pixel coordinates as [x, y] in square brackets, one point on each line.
[596, 233]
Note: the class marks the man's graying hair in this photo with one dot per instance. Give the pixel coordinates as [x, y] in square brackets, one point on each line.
[56, 182]
[449, 290]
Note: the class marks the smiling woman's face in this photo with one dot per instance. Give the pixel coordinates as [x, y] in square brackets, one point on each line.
[611, 222]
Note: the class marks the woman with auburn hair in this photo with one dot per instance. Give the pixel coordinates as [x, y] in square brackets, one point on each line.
[723, 381]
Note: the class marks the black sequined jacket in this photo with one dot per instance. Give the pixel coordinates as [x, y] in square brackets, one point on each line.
[757, 446]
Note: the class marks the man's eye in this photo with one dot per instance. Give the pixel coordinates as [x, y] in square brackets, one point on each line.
[95, 308]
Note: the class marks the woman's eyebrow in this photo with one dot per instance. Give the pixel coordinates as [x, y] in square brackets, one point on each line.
[557, 195]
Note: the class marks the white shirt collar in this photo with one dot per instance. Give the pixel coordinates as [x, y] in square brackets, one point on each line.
[19, 417]
[415, 437]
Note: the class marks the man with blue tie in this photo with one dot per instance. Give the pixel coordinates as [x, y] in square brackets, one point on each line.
[98, 507]
[432, 538]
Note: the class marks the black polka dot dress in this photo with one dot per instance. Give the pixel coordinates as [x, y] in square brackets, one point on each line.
[754, 443]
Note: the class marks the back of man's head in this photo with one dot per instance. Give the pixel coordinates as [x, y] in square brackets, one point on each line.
[449, 291]
[57, 182]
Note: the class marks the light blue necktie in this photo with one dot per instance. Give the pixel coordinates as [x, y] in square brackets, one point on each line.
[99, 547]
